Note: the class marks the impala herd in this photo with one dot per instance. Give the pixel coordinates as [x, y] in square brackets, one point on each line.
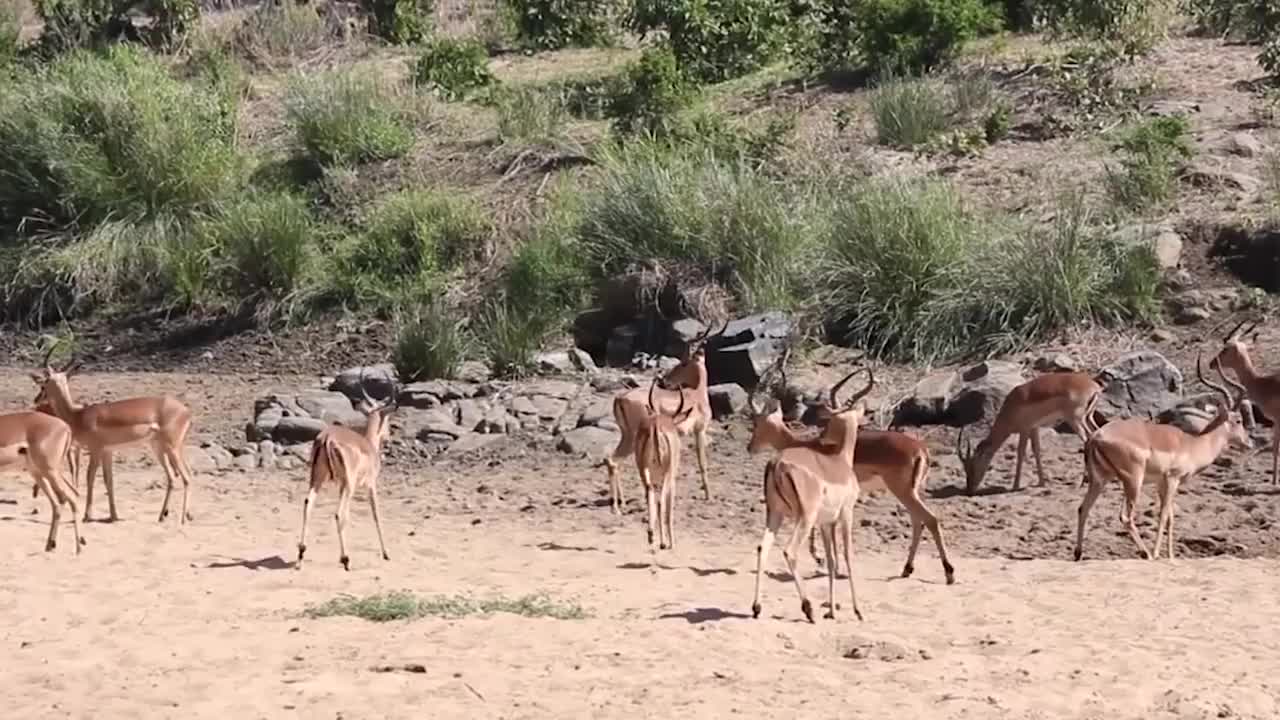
[814, 482]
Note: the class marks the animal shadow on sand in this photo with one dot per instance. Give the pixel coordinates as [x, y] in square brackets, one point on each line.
[950, 491]
[570, 548]
[698, 616]
[274, 562]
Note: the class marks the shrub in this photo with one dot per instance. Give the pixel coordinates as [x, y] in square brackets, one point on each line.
[1135, 26]
[547, 274]
[555, 24]
[93, 136]
[716, 40]
[585, 96]
[280, 34]
[453, 68]
[431, 342]
[171, 20]
[263, 246]
[908, 112]
[531, 115]
[400, 21]
[409, 242]
[900, 36]
[724, 221]
[1152, 153]
[71, 24]
[650, 94]
[349, 117]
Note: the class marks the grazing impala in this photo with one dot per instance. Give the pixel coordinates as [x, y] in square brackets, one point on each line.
[38, 443]
[658, 460]
[1262, 390]
[352, 460]
[814, 485]
[685, 384]
[1041, 402]
[1130, 448]
[882, 459]
[162, 421]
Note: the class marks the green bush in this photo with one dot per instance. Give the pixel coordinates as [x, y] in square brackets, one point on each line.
[1151, 156]
[715, 40]
[111, 135]
[171, 20]
[280, 35]
[431, 342]
[409, 242]
[909, 112]
[547, 274]
[263, 246]
[915, 276]
[531, 115]
[400, 21]
[900, 36]
[346, 116]
[453, 68]
[650, 94]
[1135, 26]
[555, 24]
[71, 24]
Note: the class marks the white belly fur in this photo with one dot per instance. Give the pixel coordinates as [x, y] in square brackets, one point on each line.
[834, 499]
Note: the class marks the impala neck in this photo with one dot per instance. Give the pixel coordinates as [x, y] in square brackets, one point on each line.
[842, 431]
[1246, 371]
[59, 398]
[1208, 445]
[373, 428]
[774, 433]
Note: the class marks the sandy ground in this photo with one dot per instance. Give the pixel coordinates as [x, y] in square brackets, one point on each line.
[204, 621]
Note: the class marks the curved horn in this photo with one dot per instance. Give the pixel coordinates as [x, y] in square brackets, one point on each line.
[680, 408]
[835, 389]
[48, 354]
[653, 385]
[364, 392]
[1226, 394]
[871, 382]
[962, 452]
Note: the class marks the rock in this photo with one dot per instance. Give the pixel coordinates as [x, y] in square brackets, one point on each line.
[747, 347]
[472, 441]
[199, 459]
[1057, 362]
[1171, 108]
[1190, 315]
[267, 453]
[598, 413]
[1139, 384]
[497, 421]
[302, 451]
[379, 381]
[559, 389]
[266, 416]
[622, 345]
[421, 423]
[1203, 174]
[566, 362]
[469, 413]
[430, 393]
[1163, 240]
[1191, 414]
[523, 406]
[1162, 335]
[221, 456]
[472, 371]
[592, 442]
[295, 429]
[549, 408]
[246, 462]
[727, 399]
[288, 462]
[330, 407]
[1245, 145]
[956, 398]
[679, 334]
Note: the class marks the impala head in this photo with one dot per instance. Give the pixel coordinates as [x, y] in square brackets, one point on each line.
[377, 411]
[848, 415]
[692, 370]
[1234, 354]
[766, 420]
[974, 461]
[1229, 410]
[48, 376]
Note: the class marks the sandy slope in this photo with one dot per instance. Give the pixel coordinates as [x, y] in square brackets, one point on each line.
[202, 621]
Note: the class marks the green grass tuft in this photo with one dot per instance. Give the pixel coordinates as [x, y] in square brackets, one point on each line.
[349, 116]
[910, 112]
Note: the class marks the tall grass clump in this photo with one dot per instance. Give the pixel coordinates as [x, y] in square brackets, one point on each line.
[348, 117]
[431, 342]
[1152, 153]
[279, 35]
[511, 335]
[263, 246]
[725, 220]
[531, 115]
[547, 274]
[404, 605]
[104, 135]
[909, 112]
[409, 243]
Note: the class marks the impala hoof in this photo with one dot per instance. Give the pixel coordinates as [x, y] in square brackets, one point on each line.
[755, 610]
[830, 615]
[858, 614]
[806, 607]
[50, 546]
[346, 563]
[83, 542]
[949, 570]
[907, 570]
[386, 556]
[1079, 554]
[163, 514]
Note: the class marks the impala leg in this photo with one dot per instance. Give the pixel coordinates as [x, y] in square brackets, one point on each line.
[1017, 468]
[340, 517]
[1035, 450]
[791, 553]
[828, 541]
[162, 456]
[772, 521]
[846, 528]
[178, 460]
[109, 480]
[1162, 492]
[94, 462]
[1129, 514]
[1275, 454]
[55, 511]
[700, 440]
[921, 517]
[377, 523]
[651, 505]
[1173, 501]
[71, 496]
[813, 548]
[1082, 515]
[308, 503]
[668, 503]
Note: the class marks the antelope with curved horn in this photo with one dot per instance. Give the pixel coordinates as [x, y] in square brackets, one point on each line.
[1129, 448]
[1041, 402]
[814, 485]
[882, 459]
[38, 443]
[161, 421]
[686, 383]
[658, 460]
[353, 460]
[1262, 390]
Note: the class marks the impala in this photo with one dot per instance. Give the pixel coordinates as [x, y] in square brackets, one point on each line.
[1130, 448]
[38, 443]
[352, 460]
[658, 460]
[1041, 402]
[161, 421]
[1262, 390]
[684, 384]
[814, 485]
